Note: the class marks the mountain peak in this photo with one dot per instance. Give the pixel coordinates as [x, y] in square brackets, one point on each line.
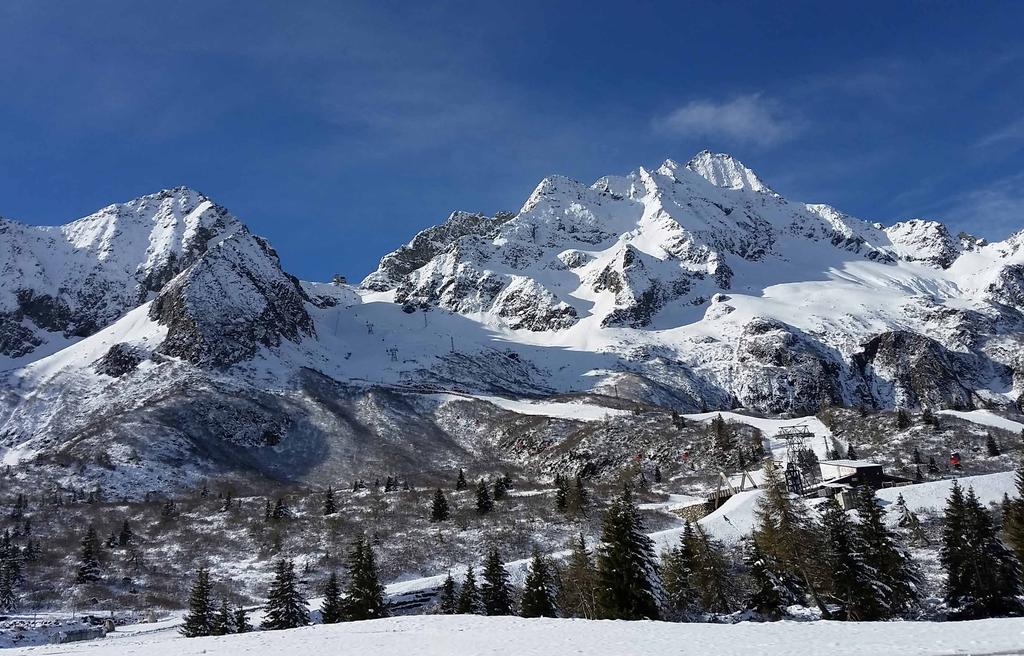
[724, 170]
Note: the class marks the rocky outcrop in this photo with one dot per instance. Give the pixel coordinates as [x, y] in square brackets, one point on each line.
[777, 370]
[907, 370]
[233, 300]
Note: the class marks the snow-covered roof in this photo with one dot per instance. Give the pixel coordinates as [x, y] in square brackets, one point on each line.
[856, 464]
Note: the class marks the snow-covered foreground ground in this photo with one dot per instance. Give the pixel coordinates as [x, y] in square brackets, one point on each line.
[481, 636]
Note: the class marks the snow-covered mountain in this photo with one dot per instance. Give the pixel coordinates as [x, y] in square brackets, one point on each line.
[163, 331]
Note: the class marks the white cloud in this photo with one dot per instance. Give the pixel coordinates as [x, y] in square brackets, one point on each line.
[749, 118]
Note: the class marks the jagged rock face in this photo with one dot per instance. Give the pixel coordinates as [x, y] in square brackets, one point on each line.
[77, 278]
[924, 241]
[233, 300]
[427, 245]
[1008, 287]
[903, 369]
[778, 370]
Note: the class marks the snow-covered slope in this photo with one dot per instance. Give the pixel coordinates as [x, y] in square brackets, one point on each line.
[162, 329]
[442, 635]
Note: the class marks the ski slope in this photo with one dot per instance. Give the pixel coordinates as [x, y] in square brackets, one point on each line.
[985, 418]
[440, 635]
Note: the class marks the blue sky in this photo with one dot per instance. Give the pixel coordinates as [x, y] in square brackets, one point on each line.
[339, 129]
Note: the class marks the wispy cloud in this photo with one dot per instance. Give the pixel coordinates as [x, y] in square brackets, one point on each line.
[1008, 134]
[750, 118]
[995, 210]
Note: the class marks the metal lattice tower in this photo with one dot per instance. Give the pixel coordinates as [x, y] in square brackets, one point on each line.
[798, 438]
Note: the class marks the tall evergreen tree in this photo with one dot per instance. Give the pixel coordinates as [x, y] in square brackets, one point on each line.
[773, 590]
[577, 591]
[494, 590]
[983, 577]
[852, 583]
[538, 596]
[626, 569]
[439, 511]
[561, 493]
[199, 619]
[893, 567]
[285, 608]
[332, 609]
[241, 621]
[461, 483]
[89, 560]
[447, 602]
[1013, 517]
[484, 503]
[578, 499]
[991, 446]
[364, 593]
[124, 538]
[851, 454]
[677, 576]
[710, 573]
[786, 535]
[330, 505]
[223, 620]
[500, 488]
[469, 596]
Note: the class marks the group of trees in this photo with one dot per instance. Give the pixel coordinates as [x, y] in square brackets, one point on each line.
[983, 575]
[362, 598]
[572, 498]
[486, 495]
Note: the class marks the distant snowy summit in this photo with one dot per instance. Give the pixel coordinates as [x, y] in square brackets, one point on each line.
[163, 326]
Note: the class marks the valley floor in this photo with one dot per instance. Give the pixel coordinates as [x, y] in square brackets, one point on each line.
[481, 636]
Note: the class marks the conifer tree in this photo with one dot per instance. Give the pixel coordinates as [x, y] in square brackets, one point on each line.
[280, 510]
[953, 553]
[786, 535]
[902, 420]
[677, 576]
[710, 572]
[1013, 517]
[773, 590]
[285, 608]
[241, 621]
[89, 560]
[500, 488]
[8, 584]
[895, 573]
[447, 602]
[577, 592]
[223, 620]
[852, 586]
[578, 499]
[494, 590]
[561, 493]
[199, 619]
[851, 454]
[626, 569]
[991, 446]
[125, 537]
[657, 474]
[461, 483]
[228, 501]
[538, 597]
[484, 503]
[330, 505]
[439, 511]
[933, 468]
[364, 593]
[332, 608]
[469, 596]
[984, 579]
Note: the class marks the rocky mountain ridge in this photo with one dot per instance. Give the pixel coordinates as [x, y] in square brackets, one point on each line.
[163, 331]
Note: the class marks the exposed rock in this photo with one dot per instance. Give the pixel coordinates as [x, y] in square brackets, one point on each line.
[119, 360]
